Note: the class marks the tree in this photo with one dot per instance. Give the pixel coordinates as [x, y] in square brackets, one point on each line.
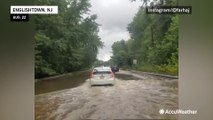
[120, 53]
[67, 41]
[153, 40]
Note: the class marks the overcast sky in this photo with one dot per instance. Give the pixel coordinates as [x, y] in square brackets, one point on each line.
[113, 16]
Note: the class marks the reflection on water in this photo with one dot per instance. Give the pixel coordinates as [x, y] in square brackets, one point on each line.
[60, 83]
[126, 77]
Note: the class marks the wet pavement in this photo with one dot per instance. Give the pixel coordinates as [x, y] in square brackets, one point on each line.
[134, 96]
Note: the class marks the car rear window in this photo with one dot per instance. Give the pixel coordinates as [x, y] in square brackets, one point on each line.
[95, 72]
[101, 72]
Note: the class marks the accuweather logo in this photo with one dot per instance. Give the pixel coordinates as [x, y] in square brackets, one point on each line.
[161, 111]
[178, 111]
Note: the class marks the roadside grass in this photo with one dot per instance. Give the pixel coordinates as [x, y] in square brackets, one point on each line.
[163, 69]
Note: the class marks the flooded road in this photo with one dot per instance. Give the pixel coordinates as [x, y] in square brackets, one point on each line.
[60, 82]
[134, 96]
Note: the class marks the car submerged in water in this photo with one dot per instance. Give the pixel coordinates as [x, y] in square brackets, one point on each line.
[102, 76]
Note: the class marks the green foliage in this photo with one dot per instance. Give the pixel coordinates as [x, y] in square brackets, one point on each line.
[161, 53]
[168, 69]
[172, 66]
[67, 41]
[120, 53]
[153, 42]
[98, 63]
[146, 67]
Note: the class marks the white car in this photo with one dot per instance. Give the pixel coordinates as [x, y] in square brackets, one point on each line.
[102, 76]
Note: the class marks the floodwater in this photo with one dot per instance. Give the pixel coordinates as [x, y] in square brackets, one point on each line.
[133, 96]
[69, 81]
[59, 83]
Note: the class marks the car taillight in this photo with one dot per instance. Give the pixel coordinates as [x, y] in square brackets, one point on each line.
[91, 75]
[112, 75]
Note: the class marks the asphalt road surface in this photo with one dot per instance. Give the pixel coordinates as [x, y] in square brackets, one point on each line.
[134, 96]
